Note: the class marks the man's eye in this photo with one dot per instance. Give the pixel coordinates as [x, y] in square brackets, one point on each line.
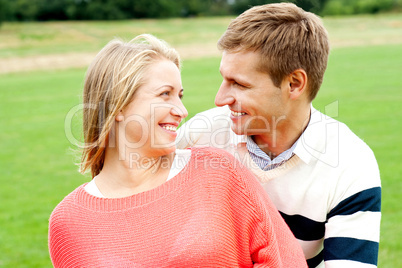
[166, 93]
[238, 85]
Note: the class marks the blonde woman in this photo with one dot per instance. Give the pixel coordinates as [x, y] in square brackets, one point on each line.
[148, 204]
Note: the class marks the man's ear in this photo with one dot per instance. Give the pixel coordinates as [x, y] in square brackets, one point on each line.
[297, 83]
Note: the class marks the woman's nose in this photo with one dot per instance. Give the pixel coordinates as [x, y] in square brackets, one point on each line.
[179, 109]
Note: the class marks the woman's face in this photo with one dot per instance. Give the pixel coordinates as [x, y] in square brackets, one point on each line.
[148, 124]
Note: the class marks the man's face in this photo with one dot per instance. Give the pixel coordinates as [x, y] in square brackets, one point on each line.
[257, 105]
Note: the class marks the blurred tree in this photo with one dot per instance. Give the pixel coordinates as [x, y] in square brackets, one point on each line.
[77, 10]
[155, 9]
[190, 8]
[3, 10]
[239, 6]
[315, 6]
[103, 10]
[28, 10]
[25, 10]
[350, 7]
[219, 7]
[53, 10]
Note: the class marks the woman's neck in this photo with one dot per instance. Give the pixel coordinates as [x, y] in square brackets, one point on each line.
[132, 175]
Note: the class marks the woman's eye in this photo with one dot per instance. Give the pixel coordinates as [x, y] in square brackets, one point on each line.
[166, 93]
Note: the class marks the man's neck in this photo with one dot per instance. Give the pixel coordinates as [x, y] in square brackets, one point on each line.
[281, 139]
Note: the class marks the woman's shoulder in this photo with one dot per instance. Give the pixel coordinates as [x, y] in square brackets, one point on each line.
[67, 202]
[206, 152]
[223, 165]
[229, 176]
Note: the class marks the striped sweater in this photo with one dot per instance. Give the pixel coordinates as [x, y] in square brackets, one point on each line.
[328, 192]
[212, 214]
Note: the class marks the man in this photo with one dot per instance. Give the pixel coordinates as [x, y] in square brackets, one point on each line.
[323, 179]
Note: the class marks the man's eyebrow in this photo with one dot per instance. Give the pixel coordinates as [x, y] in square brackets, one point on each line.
[235, 79]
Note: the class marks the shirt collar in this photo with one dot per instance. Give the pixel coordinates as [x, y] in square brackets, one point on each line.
[252, 147]
[313, 143]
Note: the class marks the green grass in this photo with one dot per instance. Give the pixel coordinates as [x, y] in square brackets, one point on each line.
[37, 163]
[39, 38]
[364, 30]
[34, 160]
[366, 81]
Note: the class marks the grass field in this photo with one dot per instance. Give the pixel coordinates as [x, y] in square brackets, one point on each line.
[37, 161]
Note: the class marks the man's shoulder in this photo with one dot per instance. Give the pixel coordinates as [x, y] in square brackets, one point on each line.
[208, 128]
[351, 143]
[333, 130]
[333, 142]
[210, 117]
[224, 110]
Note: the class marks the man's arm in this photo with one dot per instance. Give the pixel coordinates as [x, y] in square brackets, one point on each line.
[208, 128]
[353, 224]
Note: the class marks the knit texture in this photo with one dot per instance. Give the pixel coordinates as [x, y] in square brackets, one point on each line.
[212, 214]
[329, 192]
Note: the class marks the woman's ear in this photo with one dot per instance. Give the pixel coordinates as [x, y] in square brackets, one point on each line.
[297, 83]
[119, 117]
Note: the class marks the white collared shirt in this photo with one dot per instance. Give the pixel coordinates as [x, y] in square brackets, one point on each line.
[263, 160]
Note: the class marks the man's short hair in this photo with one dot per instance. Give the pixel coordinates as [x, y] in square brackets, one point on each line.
[288, 39]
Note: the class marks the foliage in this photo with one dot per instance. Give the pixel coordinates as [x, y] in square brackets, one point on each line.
[42, 10]
[3, 12]
[311, 5]
[28, 10]
[348, 7]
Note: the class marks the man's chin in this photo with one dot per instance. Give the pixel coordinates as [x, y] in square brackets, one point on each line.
[238, 130]
[248, 132]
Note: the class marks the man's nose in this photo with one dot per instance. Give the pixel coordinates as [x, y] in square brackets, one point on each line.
[224, 95]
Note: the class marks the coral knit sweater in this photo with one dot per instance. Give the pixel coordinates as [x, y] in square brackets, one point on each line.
[213, 213]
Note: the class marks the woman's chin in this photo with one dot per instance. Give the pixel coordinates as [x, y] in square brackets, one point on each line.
[162, 150]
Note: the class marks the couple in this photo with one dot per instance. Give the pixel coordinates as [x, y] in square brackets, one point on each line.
[153, 205]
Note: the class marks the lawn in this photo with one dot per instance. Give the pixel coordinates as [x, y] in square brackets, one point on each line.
[362, 88]
[26, 39]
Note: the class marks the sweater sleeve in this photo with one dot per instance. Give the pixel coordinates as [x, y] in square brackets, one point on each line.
[59, 239]
[272, 244]
[353, 224]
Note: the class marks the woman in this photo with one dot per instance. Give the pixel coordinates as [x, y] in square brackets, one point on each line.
[150, 205]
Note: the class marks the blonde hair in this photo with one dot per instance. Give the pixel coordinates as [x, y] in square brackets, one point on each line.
[287, 37]
[111, 81]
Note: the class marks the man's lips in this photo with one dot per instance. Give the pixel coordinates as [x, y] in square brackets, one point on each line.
[236, 114]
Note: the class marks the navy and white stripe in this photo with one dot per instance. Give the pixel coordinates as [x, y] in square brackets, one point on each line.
[341, 248]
